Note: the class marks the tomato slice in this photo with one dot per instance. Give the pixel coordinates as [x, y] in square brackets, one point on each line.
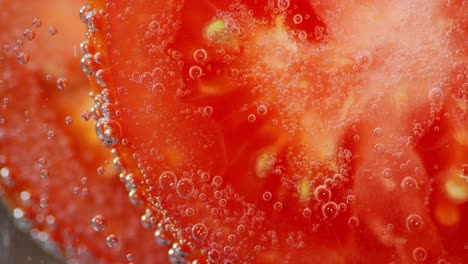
[289, 131]
[49, 157]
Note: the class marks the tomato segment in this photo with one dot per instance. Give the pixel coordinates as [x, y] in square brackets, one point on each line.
[288, 127]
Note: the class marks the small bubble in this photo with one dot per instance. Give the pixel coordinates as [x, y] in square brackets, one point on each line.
[130, 257]
[387, 173]
[29, 34]
[409, 184]
[199, 232]
[283, 4]
[262, 110]
[353, 222]
[414, 223]
[200, 55]
[419, 254]
[297, 19]
[53, 30]
[267, 196]
[322, 194]
[102, 78]
[44, 173]
[108, 131]
[462, 171]
[330, 210]
[167, 180]
[62, 83]
[112, 241]
[217, 181]
[99, 223]
[214, 255]
[68, 120]
[436, 95]
[37, 22]
[195, 72]
[251, 118]
[43, 202]
[278, 206]
[50, 135]
[307, 213]
[363, 59]
[23, 58]
[185, 188]
[88, 65]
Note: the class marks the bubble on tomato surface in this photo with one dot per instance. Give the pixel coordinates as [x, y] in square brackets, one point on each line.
[330, 210]
[108, 131]
[29, 34]
[62, 83]
[200, 55]
[322, 193]
[185, 188]
[135, 197]
[297, 19]
[283, 4]
[199, 232]
[102, 77]
[267, 196]
[68, 120]
[37, 22]
[278, 206]
[52, 30]
[179, 252]
[387, 173]
[112, 240]
[214, 255]
[307, 213]
[251, 118]
[414, 223]
[88, 64]
[419, 254]
[262, 110]
[353, 222]
[23, 58]
[84, 11]
[44, 202]
[408, 183]
[99, 223]
[363, 59]
[217, 181]
[436, 95]
[195, 72]
[462, 171]
[163, 237]
[167, 180]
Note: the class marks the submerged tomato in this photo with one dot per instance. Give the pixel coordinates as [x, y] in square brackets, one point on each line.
[284, 131]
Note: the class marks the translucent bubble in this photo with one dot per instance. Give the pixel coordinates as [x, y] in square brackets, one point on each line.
[23, 58]
[62, 83]
[52, 30]
[185, 188]
[330, 210]
[297, 19]
[462, 171]
[409, 184]
[353, 222]
[217, 181]
[283, 4]
[251, 118]
[37, 22]
[267, 196]
[363, 59]
[135, 197]
[88, 64]
[43, 202]
[154, 26]
[102, 77]
[167, 180]
[108, 131]
[99, 223]
[199, 232]
[414, 223]
[214, 255]
[195, 72]
[112, 241]
[278, 206]
[68, 120]
[387, 173]
[83, 12]
[419, 254]
[163, 237]
[29, 34]
[322, 193]
[108, 110]
[130, 257]
[262, 110]
[200, 55]
[307, 213]
[436, 95]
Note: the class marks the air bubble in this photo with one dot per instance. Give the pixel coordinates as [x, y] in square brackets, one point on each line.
[363, 59]
[267, 196]
[88, 64]
[99, 223]
[185, 188]
[200, 55]
[322, 194]
[307, 213]
[62, 83]
[409, 184]
[414, 223]
[330, 210]
[353, 222]
[167, 180]
[214, 255]
[436, 95]
[217, 181]
[251, 118]
[112, 241]
[297, 19]
[162, 236]
[283, 4]
[199, 232]
[29, 34]
[52, 30]
[102, 77]
[37, 22]
[419, 254]
[83, 13]
[262, 110]
[278, 206]
[43, 202]
[108, 131]
[68, 120]
[23, 58]
[462, 171]
[195, 72]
